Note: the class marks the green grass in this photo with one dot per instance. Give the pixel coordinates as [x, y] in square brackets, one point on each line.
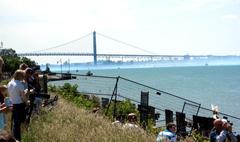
[69, 123]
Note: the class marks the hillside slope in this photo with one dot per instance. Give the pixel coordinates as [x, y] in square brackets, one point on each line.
[69, 123]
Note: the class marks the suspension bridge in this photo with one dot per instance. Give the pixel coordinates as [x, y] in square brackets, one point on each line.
[148, 55]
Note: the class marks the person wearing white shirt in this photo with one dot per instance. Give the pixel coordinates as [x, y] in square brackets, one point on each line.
[18, 97]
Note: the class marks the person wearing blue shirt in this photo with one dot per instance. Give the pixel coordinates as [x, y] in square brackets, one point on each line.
[169, 134]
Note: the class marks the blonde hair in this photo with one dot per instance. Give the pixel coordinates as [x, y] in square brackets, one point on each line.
[19, 75]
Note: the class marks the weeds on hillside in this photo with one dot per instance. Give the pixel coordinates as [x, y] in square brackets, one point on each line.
[67, 122]
[70, 93]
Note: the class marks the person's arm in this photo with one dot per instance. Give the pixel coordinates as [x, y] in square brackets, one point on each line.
[23, 93]
[232, 137]
[230, 134]
[3, 107]
[222, 136]
[159, 137]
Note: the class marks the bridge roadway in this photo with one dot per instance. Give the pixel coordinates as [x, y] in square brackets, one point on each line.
[99, 55]
[131, 55]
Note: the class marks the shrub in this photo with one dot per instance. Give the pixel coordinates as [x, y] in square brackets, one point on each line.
[123, 108]
[70, 93]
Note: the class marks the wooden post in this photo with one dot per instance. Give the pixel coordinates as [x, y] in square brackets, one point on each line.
[168, 116]
[45, 86]
[181, 124]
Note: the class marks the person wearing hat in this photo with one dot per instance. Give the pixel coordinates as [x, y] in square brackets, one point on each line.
[132, 121]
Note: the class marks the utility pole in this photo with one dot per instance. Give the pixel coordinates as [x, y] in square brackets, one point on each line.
[94, 48]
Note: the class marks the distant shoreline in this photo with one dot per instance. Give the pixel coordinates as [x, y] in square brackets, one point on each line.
[77, 67]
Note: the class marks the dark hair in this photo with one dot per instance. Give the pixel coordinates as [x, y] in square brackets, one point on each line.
[170, 125]
[28, 71]
[6, 137]
[23, 66]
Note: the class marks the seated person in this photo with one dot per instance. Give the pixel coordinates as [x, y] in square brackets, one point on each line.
[132, 121]
[221, 132]
[169, 134]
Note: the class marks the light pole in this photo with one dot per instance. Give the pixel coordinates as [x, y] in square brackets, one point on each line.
[61, 66]
[68, 65]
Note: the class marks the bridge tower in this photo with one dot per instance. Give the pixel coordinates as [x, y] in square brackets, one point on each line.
[94, 48]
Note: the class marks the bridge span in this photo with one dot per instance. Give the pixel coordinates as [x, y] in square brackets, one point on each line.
[150, 57]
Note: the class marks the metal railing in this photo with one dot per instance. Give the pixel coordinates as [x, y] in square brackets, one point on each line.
[104, 86]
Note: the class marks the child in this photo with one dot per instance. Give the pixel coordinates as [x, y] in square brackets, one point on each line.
[5, 105]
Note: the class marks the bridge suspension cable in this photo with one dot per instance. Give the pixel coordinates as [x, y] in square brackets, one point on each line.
[133, 46]
[66, 43]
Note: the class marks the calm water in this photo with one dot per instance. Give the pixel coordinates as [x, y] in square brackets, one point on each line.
[218, 85]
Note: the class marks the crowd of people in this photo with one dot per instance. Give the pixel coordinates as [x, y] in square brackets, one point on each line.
[20, 98]
[221, 132]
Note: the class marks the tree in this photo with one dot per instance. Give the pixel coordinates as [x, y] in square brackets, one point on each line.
[28, 61]
[8, 52]
[12, 61]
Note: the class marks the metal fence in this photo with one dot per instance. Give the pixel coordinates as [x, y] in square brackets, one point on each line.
[129, 89]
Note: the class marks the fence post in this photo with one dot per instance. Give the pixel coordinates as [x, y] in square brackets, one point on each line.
[115, 99]
[144, 109]
[181, 126]
[45, 86]
[168, 116]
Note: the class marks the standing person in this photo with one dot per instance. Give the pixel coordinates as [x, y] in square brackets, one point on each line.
[29, 84]
[37, 87]
[221, 132]
[23, 66]
[169, 135]
[18, 96]
[3, 107]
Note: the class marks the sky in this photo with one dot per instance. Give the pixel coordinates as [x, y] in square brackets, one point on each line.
[171, 27]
